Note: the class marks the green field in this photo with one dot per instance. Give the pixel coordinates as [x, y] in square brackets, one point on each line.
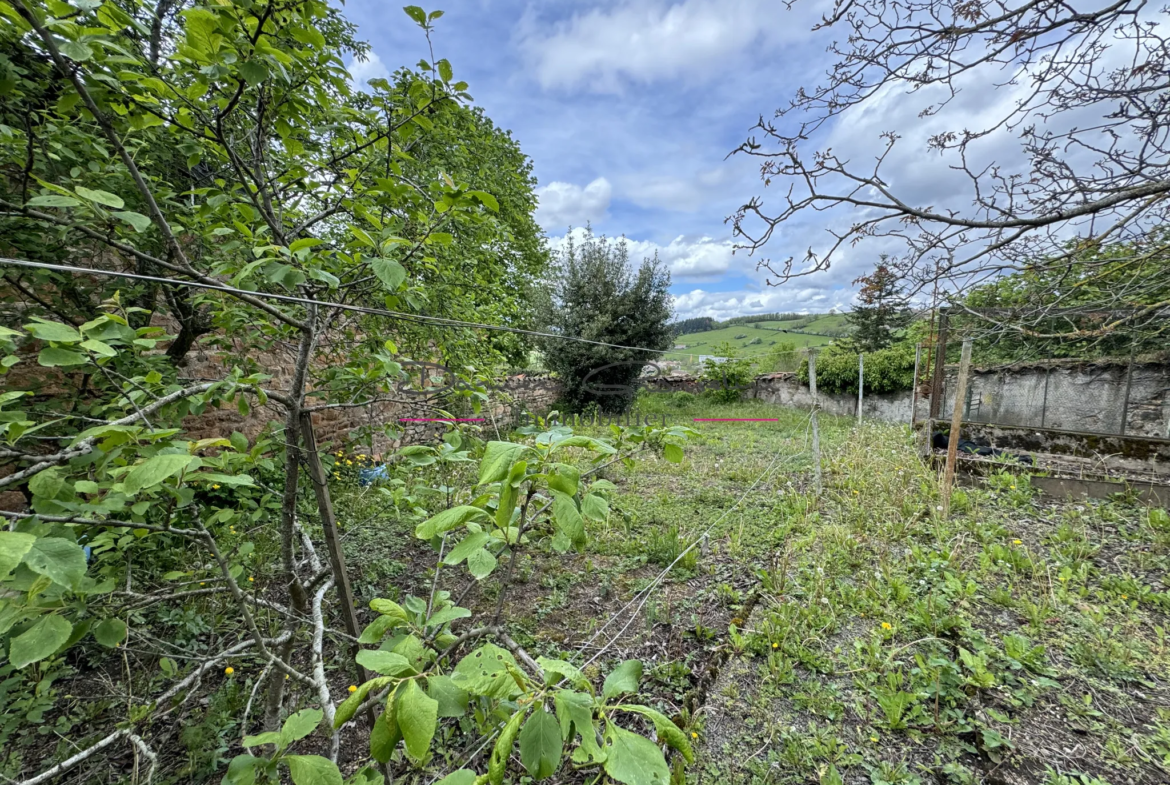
[744, 337]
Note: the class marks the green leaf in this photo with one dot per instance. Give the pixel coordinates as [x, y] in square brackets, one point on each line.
[830, 776]
[386, 663]
[486, 199]
[633, 759]
[485, 672]
[58, 559]
[667, 730]
[378, 628]
[13, 547]
[452, 698]
[461, 777]
[587, 442]
[445, 72]
[139, 221]
[385, 735]
[568, 518]
[39, 641]
[53, 331]
[101, 197]
[503, 749]
[312, 770]
[52, 200]
[466, 546]
[110, 632]
[497, 460]
[448, 520]
[154, 471]
[77, 51]
[300, 725]
[447, 615]
[351, 704]
[98, 347]
[416, 13]
[624, 678]
[241, 771]
[540, 744]
[481, 564]
[362, 236]
[271, 737]
[389, 608]
[254, 73]
[47, 483]
[595, 508]
[390, 272]
[672, 453]
[417, 714]
[564, 478]
[575, 713]
[53, 357]
[553, 667]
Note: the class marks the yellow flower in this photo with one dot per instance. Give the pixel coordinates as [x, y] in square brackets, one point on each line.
[353, 688]
[775, 645]
[336, 476]
[215, 486]
[886, 625]
[229, 670]
[1017, 542]
[694, 735]
[873, 739]
[1125, 596]
[348, 462]
[286, 677]
[1013, 487]
[251, 579]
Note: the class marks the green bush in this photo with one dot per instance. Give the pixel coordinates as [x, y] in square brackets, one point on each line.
[887, 370]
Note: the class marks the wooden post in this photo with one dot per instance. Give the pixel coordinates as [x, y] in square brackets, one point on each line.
[816, 434]
[956, 427]
[940, 361]
[914, 389]
[333, 542]
[860, 384]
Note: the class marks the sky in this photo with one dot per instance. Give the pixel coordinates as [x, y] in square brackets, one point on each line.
[629, 110]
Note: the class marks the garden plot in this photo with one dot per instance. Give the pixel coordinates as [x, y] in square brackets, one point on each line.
[854, 638]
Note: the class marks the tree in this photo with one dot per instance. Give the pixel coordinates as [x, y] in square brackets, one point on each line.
[596, 294]
[881, 311]
[1084, 94]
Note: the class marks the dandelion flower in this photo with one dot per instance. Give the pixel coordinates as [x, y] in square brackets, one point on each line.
[1125, 596]
[886, 625]
[352, 688]
[694, 735]
[348, 462]
[251, 579]
[215, 486]
[1017, 542]
[775, 645]
[229, 670]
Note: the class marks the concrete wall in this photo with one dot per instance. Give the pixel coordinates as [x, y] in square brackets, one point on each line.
[1087, 397]
[1090, 397]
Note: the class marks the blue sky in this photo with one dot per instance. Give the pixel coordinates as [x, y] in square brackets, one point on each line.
[628, 109]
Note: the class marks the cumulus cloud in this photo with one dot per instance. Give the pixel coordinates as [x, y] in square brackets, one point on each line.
[687, 258]
[565, 204]
[362, 71]
[648, 40]
[724, 305]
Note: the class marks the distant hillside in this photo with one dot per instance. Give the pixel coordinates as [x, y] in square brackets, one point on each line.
[758, 337]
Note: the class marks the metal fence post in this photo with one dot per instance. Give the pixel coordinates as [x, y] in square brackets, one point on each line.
[956, 427]
[816, 434]
[914, 387]
[860, 384]
[1128, 386]
[940, 361]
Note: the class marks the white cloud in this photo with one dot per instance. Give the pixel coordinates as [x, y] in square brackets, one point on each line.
[565, 204]
[687, 258]
[648, 40]
[362, 71]
[724, 305]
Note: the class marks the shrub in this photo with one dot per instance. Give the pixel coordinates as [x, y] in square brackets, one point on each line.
[887, 370]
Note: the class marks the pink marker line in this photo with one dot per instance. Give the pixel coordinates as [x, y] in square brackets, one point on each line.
[736, 419]
[440, 419]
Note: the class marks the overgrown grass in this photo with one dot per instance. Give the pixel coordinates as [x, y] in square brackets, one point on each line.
[854, 637]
